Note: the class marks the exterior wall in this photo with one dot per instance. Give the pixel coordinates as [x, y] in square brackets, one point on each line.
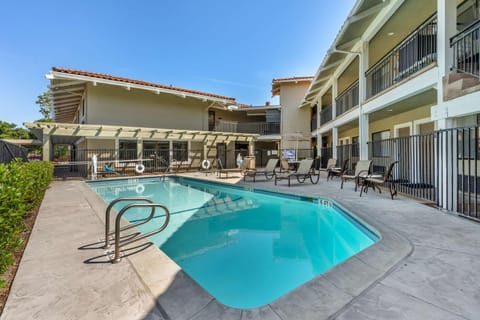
[293, 119]
[100, 144]
[388, 123]
[239, 116]
[110, 105]
[350, 133]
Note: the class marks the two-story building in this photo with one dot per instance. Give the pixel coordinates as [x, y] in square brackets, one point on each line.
[398, 71]
[121, 119]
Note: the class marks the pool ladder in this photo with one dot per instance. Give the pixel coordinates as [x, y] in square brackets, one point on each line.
[144, 203]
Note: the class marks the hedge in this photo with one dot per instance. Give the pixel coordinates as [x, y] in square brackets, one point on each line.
[22, 187]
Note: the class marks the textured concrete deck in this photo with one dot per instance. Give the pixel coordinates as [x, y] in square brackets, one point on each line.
[425, 267]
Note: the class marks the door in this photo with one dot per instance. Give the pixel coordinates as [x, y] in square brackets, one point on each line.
[222, 153]
[211, 120]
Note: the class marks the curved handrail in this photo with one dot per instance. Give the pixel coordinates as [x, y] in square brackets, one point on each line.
[107, 215]
[119, 219]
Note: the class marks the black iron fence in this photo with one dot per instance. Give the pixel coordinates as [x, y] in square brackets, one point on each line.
[350, 152]
[415, 52]
[466, 50]
[442, 167]
[325, 114]
[347, 99]
[10, 152]
[261, 128]
[325, 154]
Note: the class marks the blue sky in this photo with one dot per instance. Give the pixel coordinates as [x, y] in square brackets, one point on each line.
[232, 48]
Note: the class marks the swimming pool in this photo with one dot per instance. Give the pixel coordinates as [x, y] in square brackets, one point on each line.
[245, 247]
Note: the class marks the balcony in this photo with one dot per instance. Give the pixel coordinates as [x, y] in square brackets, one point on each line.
[414, 53]
[466, 50]
[347, 100]
[261, 128]
[325, 114]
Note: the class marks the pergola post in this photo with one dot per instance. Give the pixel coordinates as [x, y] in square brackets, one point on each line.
[47, 147]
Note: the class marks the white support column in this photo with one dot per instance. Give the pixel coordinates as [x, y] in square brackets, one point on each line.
[319, 135]
[334, 96]
[363, 135]
[446, 28]
[139, 148]
[319, 144]
[363, 124]
[334, 142]
[47, 148]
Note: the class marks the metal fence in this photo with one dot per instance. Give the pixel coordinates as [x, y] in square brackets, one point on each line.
[10, 152]
[415, 52]
[441, 167]
[347, 99]
[466, 50]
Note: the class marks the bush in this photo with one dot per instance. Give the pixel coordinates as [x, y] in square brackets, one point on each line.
[22, 186]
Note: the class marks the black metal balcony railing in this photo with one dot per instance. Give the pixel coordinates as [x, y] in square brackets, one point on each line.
[466, 50]
[313, 124]
[414, 53]
[261, 128]
[347, 99]
[325, 114]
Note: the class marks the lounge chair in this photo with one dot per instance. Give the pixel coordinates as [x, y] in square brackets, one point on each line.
[268, 171]
[331, 163]
[220, 170]
[338, 172]
[375, 180]
[362, 169]
[284, 166]
[303, 172]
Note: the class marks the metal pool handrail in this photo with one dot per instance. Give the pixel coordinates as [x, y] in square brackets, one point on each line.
[107, 216]
[119, 219]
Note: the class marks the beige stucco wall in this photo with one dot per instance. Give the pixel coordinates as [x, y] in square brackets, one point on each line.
[111, 105]
[293, 119]
[388, 123]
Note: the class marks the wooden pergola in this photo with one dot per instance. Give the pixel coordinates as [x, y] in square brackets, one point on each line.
[64, 133]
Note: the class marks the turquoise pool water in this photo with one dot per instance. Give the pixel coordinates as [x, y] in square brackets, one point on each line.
[245, 248]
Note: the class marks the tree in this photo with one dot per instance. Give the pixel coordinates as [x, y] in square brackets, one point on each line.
[45, 106]
[11, 131]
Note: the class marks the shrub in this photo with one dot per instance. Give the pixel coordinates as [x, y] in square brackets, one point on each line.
[22, 186]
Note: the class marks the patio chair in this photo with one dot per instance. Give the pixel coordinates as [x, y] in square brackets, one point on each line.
[362, 169]
[243, 167]
[338, 172]
[375, 180]
[268, 171]
[303, 172]
[331, 163]
[284, 166]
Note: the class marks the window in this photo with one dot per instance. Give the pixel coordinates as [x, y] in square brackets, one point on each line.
[180, 150]
[127, 150]
[379, 146]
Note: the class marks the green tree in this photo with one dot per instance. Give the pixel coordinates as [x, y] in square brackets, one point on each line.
[11, 131]
[45, 104]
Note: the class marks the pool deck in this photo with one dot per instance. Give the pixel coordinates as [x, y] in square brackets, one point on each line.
[424, 267]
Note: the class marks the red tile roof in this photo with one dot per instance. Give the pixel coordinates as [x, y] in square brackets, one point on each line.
[276, 82]
[139, 82]
[306, 78]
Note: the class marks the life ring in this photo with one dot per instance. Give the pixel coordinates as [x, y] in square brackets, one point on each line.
[140, 188]
[205, 164]
[139, 168]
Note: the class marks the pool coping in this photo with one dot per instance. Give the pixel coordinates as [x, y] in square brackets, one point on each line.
[177, 296]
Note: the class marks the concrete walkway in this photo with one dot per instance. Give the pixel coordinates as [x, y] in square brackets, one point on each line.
[436, 278]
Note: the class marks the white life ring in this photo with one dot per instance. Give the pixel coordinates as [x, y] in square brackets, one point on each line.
[140, 188]
[139, 168]
[205, 164]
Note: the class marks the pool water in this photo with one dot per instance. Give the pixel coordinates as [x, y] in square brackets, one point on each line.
[245, 248]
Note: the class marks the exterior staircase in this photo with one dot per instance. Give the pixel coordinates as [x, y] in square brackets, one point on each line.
[459, 84]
